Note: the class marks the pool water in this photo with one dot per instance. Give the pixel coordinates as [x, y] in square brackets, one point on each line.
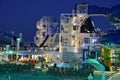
[42, 76]
[34, 76]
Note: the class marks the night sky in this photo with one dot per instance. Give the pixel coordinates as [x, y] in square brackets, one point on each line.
[22, 15]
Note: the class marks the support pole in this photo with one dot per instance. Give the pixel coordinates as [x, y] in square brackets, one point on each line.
[18, 41]
[12, 41]
[18, 44]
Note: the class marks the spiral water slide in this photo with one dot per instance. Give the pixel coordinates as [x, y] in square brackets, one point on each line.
[46, 28]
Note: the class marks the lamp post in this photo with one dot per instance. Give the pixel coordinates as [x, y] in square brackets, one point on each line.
[18, 43]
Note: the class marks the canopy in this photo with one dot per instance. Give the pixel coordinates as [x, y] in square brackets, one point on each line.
[102, 23]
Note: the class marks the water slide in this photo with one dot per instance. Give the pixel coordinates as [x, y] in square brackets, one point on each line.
[44, 41]
[6, 39]
[10, 34]
[53, 30]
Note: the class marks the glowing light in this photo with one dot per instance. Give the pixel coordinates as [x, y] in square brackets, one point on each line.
[58, 56]
[54, 48]
[9, 52]
[18, 39]
[42, 48]
[29, 50]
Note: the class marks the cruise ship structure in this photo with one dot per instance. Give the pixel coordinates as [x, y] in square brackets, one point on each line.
[76, 40]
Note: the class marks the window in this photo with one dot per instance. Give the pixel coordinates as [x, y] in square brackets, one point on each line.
[66, 29]
[86, 40]
[65, 42]
[73, 37]
[94, 41]
[75, 27]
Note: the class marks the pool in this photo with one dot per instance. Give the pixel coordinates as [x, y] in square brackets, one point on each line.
[42, 76]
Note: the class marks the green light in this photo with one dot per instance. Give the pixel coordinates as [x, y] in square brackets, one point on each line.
[108, 44]
[10, 52]
[18, 39]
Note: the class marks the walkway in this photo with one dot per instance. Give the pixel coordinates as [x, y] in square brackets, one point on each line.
[115, 76]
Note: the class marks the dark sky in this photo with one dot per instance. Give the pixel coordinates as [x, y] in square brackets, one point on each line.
[22, 15]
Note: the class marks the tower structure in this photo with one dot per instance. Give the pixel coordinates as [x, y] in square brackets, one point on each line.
[76, 33]
[71, 25]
